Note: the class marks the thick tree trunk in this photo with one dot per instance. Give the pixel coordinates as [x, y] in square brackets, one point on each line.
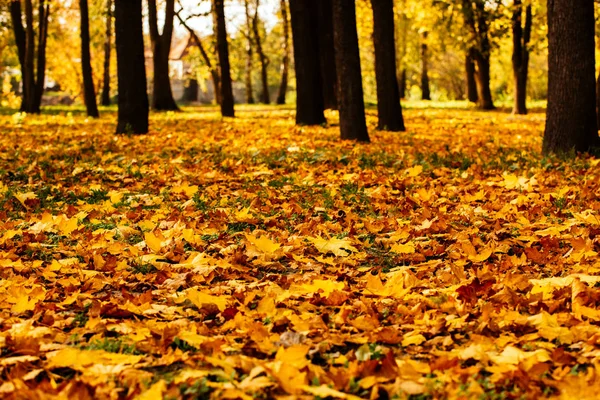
[388, 97]
[349, 78]
[107, 50]
[285, 62]
[425, 92]
[43, 15]
[29, 78]
[249, 54]
[190, 92]
[265, 97]
[131, 71]
[484, 93]
[20, 41]
[520, 57]
[327, 54]
[470, 77]
[223, 53]
[162, 94]
[89, 93]
[309, 90]
[214, 73]
[571, 113]
[598, 101]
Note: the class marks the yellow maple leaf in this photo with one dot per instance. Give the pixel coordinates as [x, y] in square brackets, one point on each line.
[263, 244]
[201, 298]
[155, 391]
[407, 248]
[414, 171]
[153, 242]
[325, 391]
[23, 197]
[339, 247]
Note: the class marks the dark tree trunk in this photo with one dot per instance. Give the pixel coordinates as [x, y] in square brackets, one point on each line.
[349, 78]
[223, 52]
[327, 54]
[471, 80]
[402, 83]
[162, 94]
[285, 63]
[388, 97]
[265, 97]
[484, 93]
[29, 78]
[214, 72]
[571, 113]
[520, 57]
[20, 40]
[89, 93]
[598, 101]
[131, 71]
[249, 54]
[190, 92]
[309, 90]
[425, 92]
[43, 14]
[107, 50]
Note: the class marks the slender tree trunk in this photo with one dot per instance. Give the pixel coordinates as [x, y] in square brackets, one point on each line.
[309, 90]
[402, 83]
[89, 93]
[285, 62]
[571, 114]
[265, 97]
[43, 15]
[470, 77]
[223, 52]
[131, 71]
[162, 94]
[29, 79]
[520, 57]
[190, 92]
[349, 78]
[20, 41]
[388, 96]
[425, 92]
[214, 72]
[107, 50]
[327, 54]
[249, 54]
[598, 101]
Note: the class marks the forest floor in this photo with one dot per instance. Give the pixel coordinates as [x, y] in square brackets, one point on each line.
[249, 258]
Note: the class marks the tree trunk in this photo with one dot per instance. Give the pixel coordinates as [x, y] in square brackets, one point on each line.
[20, 41]
[571, 113]
[285, 63]
[327, 54]
[425, 92]
[470, 78]
[107, 49]
[388, 97]
[214, 72]
[162, 94]
[29, 78]
[265, 97]
[190, 92]
[223, 53]
[484, 93]
[520, 57]
[402, 83]
[131, 71]
[598, 101]
[309, 90]
[89, 93]
[249, 54]
[43, 15]
[349, 78]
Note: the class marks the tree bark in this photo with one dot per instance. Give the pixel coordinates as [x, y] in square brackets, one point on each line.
[388, 96]
[131, 71]
[470, 77]
[89, 93]
[349, 78]
[20, 41]
[327, 54]
[223, 53]
[520, 57]
[425, 92]
[29, 78]
[571, 114]
[190, 92]
[265, 97]
[285, 62]
[107, 50]
[214, 72]
[309, 90]
[162, 94]
[249, 54]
